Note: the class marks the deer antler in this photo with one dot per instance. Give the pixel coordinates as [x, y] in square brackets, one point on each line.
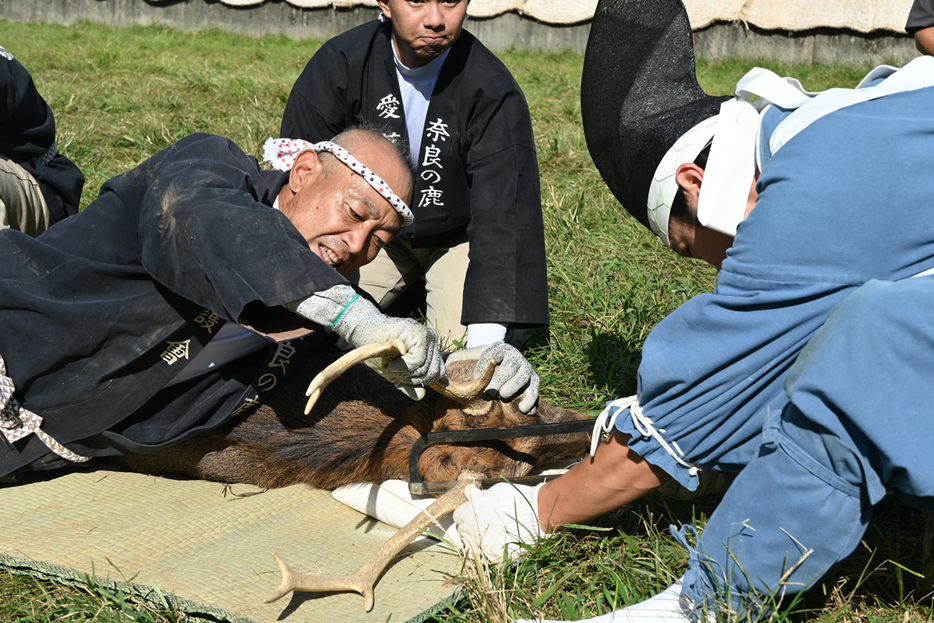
[460, 392]
[364, 580]
[394, 348]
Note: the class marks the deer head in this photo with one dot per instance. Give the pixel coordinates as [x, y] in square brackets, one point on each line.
[362, 429]
[465, 406]
[509, 458]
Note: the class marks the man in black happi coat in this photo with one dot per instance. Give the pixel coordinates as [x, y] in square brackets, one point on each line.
[416, 72]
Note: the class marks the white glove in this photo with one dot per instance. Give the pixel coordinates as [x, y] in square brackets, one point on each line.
[422, 364]
[360, 322]
[514, 375]
[494, 521]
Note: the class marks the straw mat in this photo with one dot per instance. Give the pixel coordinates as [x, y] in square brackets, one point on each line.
[207, 548]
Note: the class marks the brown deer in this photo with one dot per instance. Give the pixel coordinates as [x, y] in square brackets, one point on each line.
[362, 429]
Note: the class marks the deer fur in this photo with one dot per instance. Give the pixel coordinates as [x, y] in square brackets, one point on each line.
[361, 429]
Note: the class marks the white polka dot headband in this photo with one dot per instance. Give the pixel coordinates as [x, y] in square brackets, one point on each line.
[282, 152]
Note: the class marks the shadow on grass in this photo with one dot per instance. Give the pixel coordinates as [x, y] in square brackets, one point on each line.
[892, 567]
[613, 363]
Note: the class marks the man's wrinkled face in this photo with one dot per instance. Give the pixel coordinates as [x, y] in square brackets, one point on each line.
[343, 218]
[424, 29]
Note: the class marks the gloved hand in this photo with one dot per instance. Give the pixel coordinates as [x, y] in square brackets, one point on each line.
[495, 520]
[514, 375]
[362, 323]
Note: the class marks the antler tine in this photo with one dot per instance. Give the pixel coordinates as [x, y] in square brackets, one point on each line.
[395, 348]
[364, 580]
[292, 581]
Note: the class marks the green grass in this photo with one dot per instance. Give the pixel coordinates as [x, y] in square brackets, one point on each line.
[25, 599]
[122, 94]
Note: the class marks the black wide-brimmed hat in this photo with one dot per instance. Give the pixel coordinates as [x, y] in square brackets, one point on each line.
[639, 94]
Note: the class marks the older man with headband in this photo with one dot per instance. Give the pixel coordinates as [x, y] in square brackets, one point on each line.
[181, 296]
[808, 367]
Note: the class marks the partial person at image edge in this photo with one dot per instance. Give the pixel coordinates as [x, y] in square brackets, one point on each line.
[38, 185]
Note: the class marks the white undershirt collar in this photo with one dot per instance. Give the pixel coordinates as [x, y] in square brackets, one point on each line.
[415, 87]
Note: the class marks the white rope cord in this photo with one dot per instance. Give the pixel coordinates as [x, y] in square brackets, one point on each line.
[606, 422]
[17, 422]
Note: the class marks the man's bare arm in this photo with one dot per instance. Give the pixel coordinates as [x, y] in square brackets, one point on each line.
[613, 477]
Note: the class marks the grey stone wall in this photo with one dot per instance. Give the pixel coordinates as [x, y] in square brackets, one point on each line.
[499, 33]
[822, 45]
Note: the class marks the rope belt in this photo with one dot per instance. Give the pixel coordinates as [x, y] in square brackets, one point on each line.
[17, 422]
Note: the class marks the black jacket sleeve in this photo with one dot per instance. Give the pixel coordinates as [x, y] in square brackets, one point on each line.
[506, 279]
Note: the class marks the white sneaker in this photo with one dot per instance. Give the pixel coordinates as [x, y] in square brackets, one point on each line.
[663, 608]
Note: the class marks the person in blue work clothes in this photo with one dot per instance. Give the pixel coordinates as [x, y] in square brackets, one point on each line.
[808, 366]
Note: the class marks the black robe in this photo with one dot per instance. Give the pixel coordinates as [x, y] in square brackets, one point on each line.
[103, 310]
[27, 132]
[483, 186]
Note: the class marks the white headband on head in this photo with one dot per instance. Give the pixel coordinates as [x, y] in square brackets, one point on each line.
[282, 152]
[731, 168]
[664, 185]
[728, 175]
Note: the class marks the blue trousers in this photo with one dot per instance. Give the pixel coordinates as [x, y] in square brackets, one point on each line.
[859, 423]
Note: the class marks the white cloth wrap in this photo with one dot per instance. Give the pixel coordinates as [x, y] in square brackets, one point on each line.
[392, 504]
[734, 133]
